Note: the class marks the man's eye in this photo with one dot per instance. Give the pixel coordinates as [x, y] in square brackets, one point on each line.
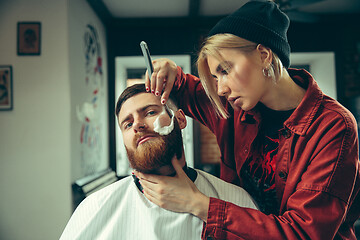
[128, 125]
[151, 113]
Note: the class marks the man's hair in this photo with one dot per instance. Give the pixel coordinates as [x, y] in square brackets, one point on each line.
[134, 90]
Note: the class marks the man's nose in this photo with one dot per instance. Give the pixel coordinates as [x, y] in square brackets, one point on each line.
[139, 126]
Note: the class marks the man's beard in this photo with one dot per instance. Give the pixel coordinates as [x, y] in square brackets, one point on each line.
[156, 152]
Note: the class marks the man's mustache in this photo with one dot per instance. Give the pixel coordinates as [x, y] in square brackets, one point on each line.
[140, 135]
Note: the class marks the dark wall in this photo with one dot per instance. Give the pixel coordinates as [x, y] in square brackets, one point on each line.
[337, 33]
[164, 36]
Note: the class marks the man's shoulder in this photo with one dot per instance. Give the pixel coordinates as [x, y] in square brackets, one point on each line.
[211, 179]
[218, 184]
[107, 192]
[215, 187]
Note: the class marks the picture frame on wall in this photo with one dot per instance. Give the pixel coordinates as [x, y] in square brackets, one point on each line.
[28, 38]
[6, 91]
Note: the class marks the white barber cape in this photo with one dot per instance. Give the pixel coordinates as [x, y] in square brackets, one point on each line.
[121, 211]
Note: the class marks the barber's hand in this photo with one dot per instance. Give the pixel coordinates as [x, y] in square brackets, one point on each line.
[163, 78]
[178, 194]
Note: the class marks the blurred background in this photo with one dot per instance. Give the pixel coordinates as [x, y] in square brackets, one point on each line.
[63, 64]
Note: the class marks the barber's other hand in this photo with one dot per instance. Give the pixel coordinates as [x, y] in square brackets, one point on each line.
[163, 78]
[178, 194]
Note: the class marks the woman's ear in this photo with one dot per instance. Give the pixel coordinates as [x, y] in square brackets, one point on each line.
[265, 54]
[180, 116]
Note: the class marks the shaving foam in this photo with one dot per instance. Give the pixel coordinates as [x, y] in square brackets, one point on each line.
[164, 130]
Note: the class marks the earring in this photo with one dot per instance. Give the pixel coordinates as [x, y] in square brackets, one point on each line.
[266, 72]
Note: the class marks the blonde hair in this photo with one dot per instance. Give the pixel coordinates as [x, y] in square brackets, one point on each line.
[211, 47]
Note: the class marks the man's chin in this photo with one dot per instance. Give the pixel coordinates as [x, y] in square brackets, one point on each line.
[147, 169]
[160, 170]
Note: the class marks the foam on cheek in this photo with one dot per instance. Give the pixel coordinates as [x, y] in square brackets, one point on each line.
[164, 130]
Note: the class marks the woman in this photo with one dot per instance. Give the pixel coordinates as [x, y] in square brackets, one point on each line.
[294, 149]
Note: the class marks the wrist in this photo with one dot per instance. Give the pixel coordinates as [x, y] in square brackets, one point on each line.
[201, 206]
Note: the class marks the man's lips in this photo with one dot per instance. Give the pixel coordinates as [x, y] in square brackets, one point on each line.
[143, 139]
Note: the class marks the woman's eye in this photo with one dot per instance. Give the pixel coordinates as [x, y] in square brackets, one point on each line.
[215, 78]
[224, 71]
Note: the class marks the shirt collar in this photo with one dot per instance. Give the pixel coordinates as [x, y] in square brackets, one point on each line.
[300, 120]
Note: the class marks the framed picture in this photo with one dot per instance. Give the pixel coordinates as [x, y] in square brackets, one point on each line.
[28, 38]
[6, 96]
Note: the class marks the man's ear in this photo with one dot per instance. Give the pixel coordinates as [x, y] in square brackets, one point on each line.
[265, 54]
[180, 117]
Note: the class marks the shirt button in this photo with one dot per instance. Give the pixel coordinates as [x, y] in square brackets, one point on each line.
[286, 133]
[282, 174]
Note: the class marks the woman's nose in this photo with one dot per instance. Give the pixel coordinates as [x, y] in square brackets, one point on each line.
[222, 88]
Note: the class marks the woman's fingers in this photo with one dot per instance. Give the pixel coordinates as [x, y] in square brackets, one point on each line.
[157, 193]
[178, 168]
[152, 196]
[148, 177]
[153, 81]
[168, 85]
[147, 81]
[149, 189]
[160, 76]
[162, 79]
[172, 193]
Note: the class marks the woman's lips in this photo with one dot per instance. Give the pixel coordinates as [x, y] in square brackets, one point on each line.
[235, 101]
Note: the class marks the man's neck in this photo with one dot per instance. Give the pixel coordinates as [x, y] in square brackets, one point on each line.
[191, 173]
[168, 170]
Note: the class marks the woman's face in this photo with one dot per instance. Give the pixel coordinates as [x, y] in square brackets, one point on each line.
[242, 82]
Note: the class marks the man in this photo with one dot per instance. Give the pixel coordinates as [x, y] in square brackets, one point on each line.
[152, 138]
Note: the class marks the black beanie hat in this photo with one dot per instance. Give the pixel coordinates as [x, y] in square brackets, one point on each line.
[259, 22]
